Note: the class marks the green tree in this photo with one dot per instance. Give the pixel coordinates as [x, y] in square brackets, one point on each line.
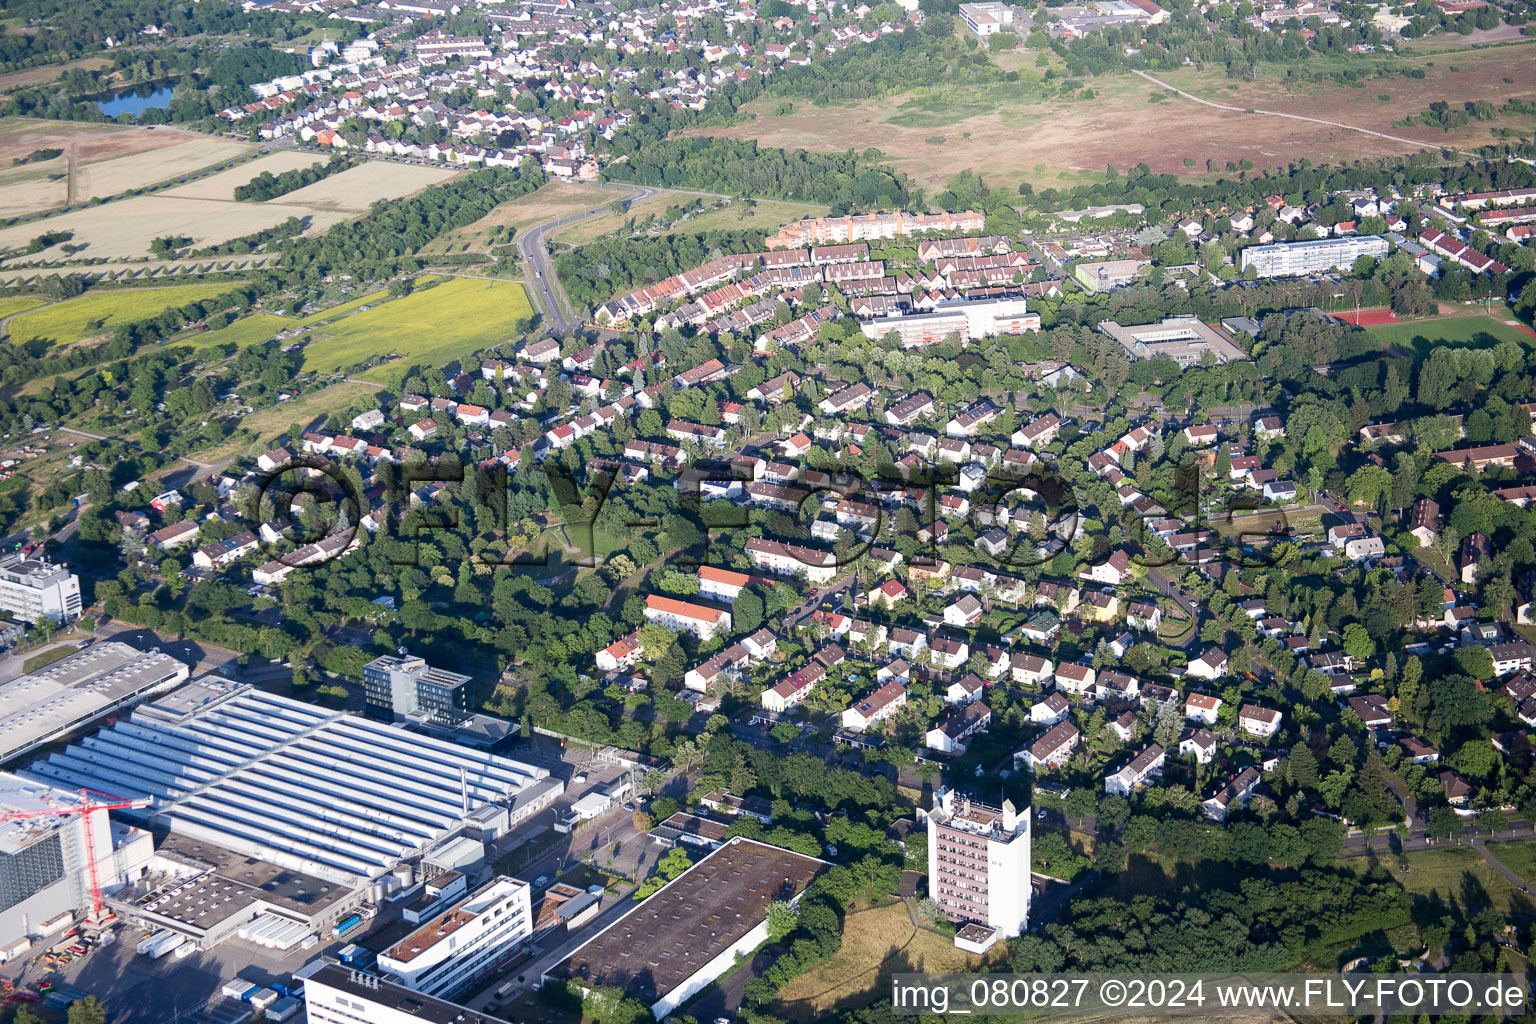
[87, 1011]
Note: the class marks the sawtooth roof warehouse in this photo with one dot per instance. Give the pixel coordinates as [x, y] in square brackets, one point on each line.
[334, 796]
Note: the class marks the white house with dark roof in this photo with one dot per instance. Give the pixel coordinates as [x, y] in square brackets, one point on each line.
[1260, 722]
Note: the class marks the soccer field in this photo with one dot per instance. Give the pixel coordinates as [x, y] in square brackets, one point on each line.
[1476, 330]
[432, 326]
[99, 312]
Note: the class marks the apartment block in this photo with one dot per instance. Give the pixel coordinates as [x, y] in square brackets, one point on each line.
[978, 862]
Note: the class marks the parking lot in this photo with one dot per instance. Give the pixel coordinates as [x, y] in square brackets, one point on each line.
[135, 989]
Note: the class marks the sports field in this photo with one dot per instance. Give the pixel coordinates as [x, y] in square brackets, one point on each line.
[434, 325]
[1475, 330]
[1369, 317]
[99, 312]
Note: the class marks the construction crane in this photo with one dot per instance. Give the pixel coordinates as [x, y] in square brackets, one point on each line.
[87, 804]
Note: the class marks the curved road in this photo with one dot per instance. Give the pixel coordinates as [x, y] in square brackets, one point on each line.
[1295, 117]
[542, 283]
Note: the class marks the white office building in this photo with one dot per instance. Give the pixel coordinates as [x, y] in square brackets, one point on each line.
[465, 944]
[35, 588]
[986, 18]
[334, 994]
[1288, 259]
[978, 862]
[982, 319]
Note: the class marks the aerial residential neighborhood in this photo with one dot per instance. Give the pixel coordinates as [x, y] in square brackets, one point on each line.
[568, 512]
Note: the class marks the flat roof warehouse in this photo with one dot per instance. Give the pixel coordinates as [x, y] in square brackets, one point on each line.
[687, 934]
[76, 690]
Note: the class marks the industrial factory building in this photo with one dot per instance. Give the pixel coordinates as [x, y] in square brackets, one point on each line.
[45, 869]
[43, 706]
[675, 943]
[312, 791]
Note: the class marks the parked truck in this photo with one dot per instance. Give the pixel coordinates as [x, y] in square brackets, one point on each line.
[345, 925]
[160, 943]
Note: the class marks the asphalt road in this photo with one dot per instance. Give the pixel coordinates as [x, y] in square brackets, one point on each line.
[530, 245]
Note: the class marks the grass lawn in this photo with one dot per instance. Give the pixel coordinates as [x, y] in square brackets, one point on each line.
[42, 661]
[877, 942]
[1518, 857]
[434, 326]
[246, 331]
[258, 327]
[549, 202]
[99, 312]
[269, 423]
[1455, 874]
[1473, 330]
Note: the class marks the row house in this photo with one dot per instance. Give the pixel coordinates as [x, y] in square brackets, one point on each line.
[1142, 769]
[1051, 750]
[884, 702]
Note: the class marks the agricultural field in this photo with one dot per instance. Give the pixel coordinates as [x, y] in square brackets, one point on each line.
[434, 325]
[223, 184]
[259, 327]
[167, 271]
[32, 187]
[550, 202]
[99, 312]
[1024, 131]
[877, 942]
[249, 330]
[27, 189]
[360, 187]
[125, 229]
[18, 303]
[1475, 330]
[102, 171]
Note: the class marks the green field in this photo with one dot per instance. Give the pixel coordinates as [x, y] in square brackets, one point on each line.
[258, 327]
[435, 325]
[246, 331]
[99, 312]
[1455, 874]
[17, 303]
[271, 422]
[1475, 330]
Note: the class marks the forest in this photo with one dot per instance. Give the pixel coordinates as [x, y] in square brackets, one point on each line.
[843, 181]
